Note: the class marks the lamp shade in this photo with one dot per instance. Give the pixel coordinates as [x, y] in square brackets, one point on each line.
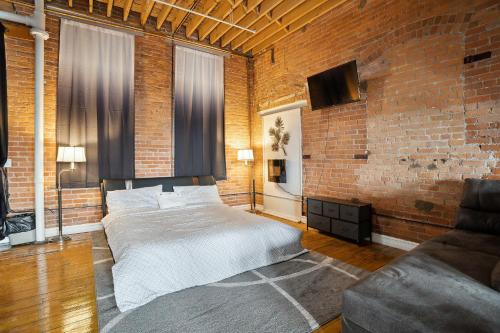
[245, 155]
[71, 154]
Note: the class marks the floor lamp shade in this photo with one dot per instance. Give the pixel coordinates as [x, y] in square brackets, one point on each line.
[71, 154]
[245, 155]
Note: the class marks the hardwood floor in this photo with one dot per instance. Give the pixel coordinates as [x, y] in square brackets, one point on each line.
[50, 288]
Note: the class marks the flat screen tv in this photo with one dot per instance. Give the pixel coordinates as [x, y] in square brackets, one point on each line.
[339, 85]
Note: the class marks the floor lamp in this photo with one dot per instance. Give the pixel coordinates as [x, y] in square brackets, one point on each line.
[246, 155]
[66, 155]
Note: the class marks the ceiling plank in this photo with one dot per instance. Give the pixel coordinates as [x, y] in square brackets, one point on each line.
[70, 3]
[197, 19]
[147, 7]
[270, 18]
[181, 15]
[249, 20]
[126, 9]
[238, 14]
[222, 11]
[109, 9]
[91, 6]
[299, 24]
[162, 16]
[285, 21]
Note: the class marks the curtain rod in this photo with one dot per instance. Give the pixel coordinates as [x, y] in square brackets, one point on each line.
[60, 12]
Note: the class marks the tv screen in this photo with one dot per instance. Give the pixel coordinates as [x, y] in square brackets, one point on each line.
[335, 86]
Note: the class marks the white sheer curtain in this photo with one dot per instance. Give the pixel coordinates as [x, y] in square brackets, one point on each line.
[199, 113]
[95, 100]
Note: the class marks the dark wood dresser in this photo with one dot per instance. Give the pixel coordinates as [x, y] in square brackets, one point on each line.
[348, 219]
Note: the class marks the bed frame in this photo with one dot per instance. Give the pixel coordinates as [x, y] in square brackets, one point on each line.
[168, 184]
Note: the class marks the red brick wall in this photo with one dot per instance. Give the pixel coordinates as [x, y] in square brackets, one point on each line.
[153, 98]
[427, 120]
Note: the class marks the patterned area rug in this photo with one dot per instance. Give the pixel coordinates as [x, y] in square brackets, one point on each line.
[298, 295]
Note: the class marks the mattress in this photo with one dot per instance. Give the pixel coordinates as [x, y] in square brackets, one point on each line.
[158, 251]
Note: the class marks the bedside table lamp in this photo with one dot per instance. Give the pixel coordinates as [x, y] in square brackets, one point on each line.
[64, 155]
[247, 156]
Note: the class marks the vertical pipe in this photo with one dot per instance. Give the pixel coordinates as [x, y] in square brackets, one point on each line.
[40, 35]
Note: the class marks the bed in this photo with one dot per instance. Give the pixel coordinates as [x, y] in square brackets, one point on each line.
[160, 251]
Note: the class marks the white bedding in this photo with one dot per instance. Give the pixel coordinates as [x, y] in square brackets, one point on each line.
[161, 251]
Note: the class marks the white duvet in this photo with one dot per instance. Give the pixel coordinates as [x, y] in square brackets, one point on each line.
[161, 251]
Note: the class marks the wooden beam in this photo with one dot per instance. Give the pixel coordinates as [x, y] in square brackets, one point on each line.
[299, 24]
[270, 18]
[285, 21]
[147, 7]
[70, 3]
[179, 18]
[109, 9]
[91, 6]
[238, 14]
[224, 9]
[197, 19]
[249, 20]
[162, 16]
[126, 8]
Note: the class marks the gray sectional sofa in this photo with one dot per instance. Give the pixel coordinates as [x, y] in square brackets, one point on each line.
[448, 284]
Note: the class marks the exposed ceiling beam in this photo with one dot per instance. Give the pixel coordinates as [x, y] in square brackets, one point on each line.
[162, 16]
[249, 20]
[91, 6]
[299, 24]
[282, 24]
[279, 11]
[238, 14]
[70, 3]
[109, 9]
[126, 8]
[181, 15]
[222, 11]
[147, 7]
[197, 19]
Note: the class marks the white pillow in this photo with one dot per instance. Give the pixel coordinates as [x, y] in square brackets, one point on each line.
[169, 200]
[198, 194]
[145, 197]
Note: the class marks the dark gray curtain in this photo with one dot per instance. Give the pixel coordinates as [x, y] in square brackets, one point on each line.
[95, 101]
[4, 134]
[199, 114]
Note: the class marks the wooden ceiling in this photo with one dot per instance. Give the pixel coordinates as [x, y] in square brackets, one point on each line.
[272, 20]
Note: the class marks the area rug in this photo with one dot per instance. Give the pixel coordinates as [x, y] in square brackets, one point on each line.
[298, 295]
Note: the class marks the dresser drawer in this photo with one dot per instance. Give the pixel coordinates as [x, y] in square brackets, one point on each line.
[331, 209]
[345, 229]
[349, 213]
[314, 206]
[318, 222]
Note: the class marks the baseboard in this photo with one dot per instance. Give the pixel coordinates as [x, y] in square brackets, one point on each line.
[393, 242]
[242, 207]
[278, 214]
[386, 240]
[74, 229]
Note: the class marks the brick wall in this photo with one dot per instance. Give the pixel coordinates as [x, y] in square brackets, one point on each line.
[427, 120]
[153, 98]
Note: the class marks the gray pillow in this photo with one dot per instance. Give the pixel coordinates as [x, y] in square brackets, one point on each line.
[495, 277]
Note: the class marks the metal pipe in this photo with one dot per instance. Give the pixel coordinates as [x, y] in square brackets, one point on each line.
[40, 35]
[205, 16]
[23, 19]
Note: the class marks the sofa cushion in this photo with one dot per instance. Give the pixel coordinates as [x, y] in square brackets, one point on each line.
[478, 221]
[473, 241]
[475, 264]
[480, 206]
[495, 277]
[481, 194]
[419, 293]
